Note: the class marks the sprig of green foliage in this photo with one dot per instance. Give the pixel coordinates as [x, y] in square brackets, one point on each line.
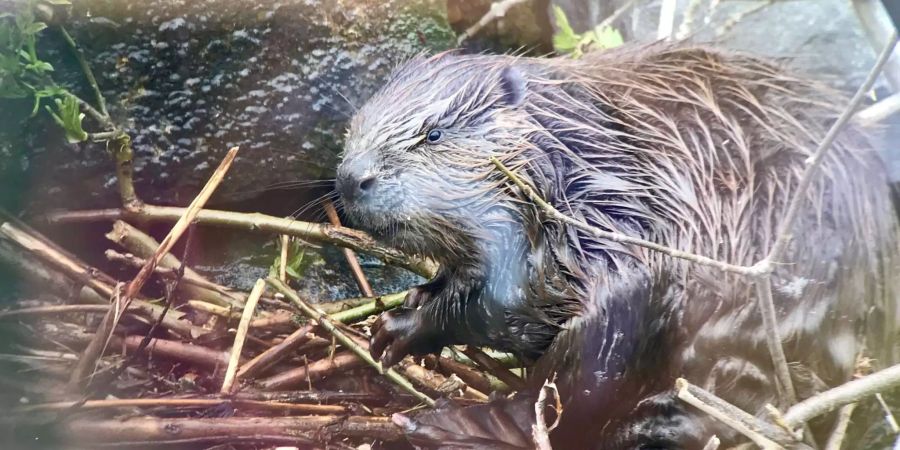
[68, 115]
[567, 41]
[296, 264]
[24, 75]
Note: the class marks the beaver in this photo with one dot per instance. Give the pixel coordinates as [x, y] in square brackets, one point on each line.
[687, 146]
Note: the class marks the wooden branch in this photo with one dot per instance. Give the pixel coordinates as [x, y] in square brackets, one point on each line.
[277, 319]
[180, 351]
[241, 335]
[317, 396]
[849, 392]
[355, 268]
[437, 382]
[836, 439]
[313, 371]
[295, 408]
[495, 368]
[377, 305]
[54, 264]
[144, 246]
[473, 378]
[123, 155]
[761, 433]
[345, 340]
[54, 309]
[95, 431]
[275, 354]
[96, 348]
[320, 233]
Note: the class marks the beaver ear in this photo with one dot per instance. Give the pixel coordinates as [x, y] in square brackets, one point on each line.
[513, 85]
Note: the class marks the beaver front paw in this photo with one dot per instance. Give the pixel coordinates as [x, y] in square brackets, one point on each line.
[400, 332]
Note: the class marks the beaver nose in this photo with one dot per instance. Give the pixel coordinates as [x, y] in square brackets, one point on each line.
[352, 187]
[355, 179]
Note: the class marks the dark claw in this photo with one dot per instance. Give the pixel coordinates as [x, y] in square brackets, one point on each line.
[400, 332]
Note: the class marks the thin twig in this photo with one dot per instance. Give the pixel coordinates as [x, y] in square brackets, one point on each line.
[282, 263]
[773, 340]
[888, 414]
[104, 332]
[736, 18]
[687, 22]
[377, 305]
[877, 27]
[346, 341]
[144, 246]
[712, 443]
[616, 14]
[241, 335]
[812, 167]
[311, 371]
[836, 439]
[761, 433]
[754, 270]
[878, 112]
[55, 309]
[849, 392]
[355, 268]
[494, 367]
[276, 353]
[88, 73]
[666, 19]
[498, 9]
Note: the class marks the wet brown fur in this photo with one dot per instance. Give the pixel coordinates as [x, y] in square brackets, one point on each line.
[694, 148]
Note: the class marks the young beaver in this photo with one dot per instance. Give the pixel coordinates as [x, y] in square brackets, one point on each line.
[684, 146]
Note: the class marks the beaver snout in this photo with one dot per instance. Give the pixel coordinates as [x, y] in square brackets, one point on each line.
[355, 178]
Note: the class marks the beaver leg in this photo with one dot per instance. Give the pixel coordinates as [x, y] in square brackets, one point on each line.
[422, 294]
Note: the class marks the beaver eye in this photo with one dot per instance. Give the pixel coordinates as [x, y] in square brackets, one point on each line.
[434, 136]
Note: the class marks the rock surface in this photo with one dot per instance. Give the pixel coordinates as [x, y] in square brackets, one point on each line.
[190, 79]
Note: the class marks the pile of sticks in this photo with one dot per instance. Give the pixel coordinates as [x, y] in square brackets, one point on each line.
[95, 361]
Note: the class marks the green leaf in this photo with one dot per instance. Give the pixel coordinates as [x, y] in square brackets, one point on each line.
[565, 39]
[57, 2]
[50, 92]
[34, 28]
[607, 37]
[68, 115]
[40, 67]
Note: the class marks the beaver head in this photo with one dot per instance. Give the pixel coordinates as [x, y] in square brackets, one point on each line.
[416, 170]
